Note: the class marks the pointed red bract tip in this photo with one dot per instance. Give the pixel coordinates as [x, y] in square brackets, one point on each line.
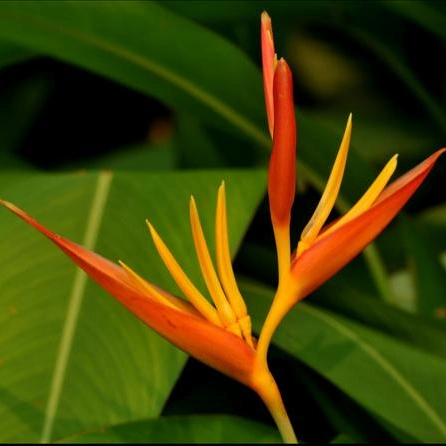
[282, 166]
[332, 252]
[191, 333]
[268, 58]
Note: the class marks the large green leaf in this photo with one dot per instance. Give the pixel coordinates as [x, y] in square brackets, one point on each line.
[71, 357]
[144, 46]
[183, 429]
[162, 55]
[400, 384]
[339, 296]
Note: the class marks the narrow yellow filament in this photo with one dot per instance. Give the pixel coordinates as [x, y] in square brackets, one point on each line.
[331, 191]
[369, 196]
[224, 267]
[214, 287]
[183, 282]
[151, 290]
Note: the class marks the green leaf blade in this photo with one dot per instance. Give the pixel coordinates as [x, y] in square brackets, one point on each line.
[150, 59]
[183, 429]
[116, 369]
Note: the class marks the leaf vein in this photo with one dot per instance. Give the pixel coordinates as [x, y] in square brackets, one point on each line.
[75, 299]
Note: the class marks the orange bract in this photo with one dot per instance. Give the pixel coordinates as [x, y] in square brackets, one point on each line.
[183, 326]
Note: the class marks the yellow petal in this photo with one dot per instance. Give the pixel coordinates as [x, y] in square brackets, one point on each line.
[331, 252]
[224, 266]
[183, 282]
[369, 197]
[330, 194]
[153, 292]
[210, 277]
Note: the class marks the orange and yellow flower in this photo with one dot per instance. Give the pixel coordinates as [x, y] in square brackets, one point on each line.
[322, 250]
[219, 333]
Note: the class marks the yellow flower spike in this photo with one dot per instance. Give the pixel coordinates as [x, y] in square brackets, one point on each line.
[369, 196]
[224, 266]
[210, 277]
[328, 199]
[152, 291]
[183, 282]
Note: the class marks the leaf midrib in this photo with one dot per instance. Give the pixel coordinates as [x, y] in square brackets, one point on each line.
[377, 357]
[76, 294]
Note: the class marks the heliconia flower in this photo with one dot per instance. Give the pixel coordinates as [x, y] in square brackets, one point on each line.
[217, 334]
[195, 326]
[322, 250]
